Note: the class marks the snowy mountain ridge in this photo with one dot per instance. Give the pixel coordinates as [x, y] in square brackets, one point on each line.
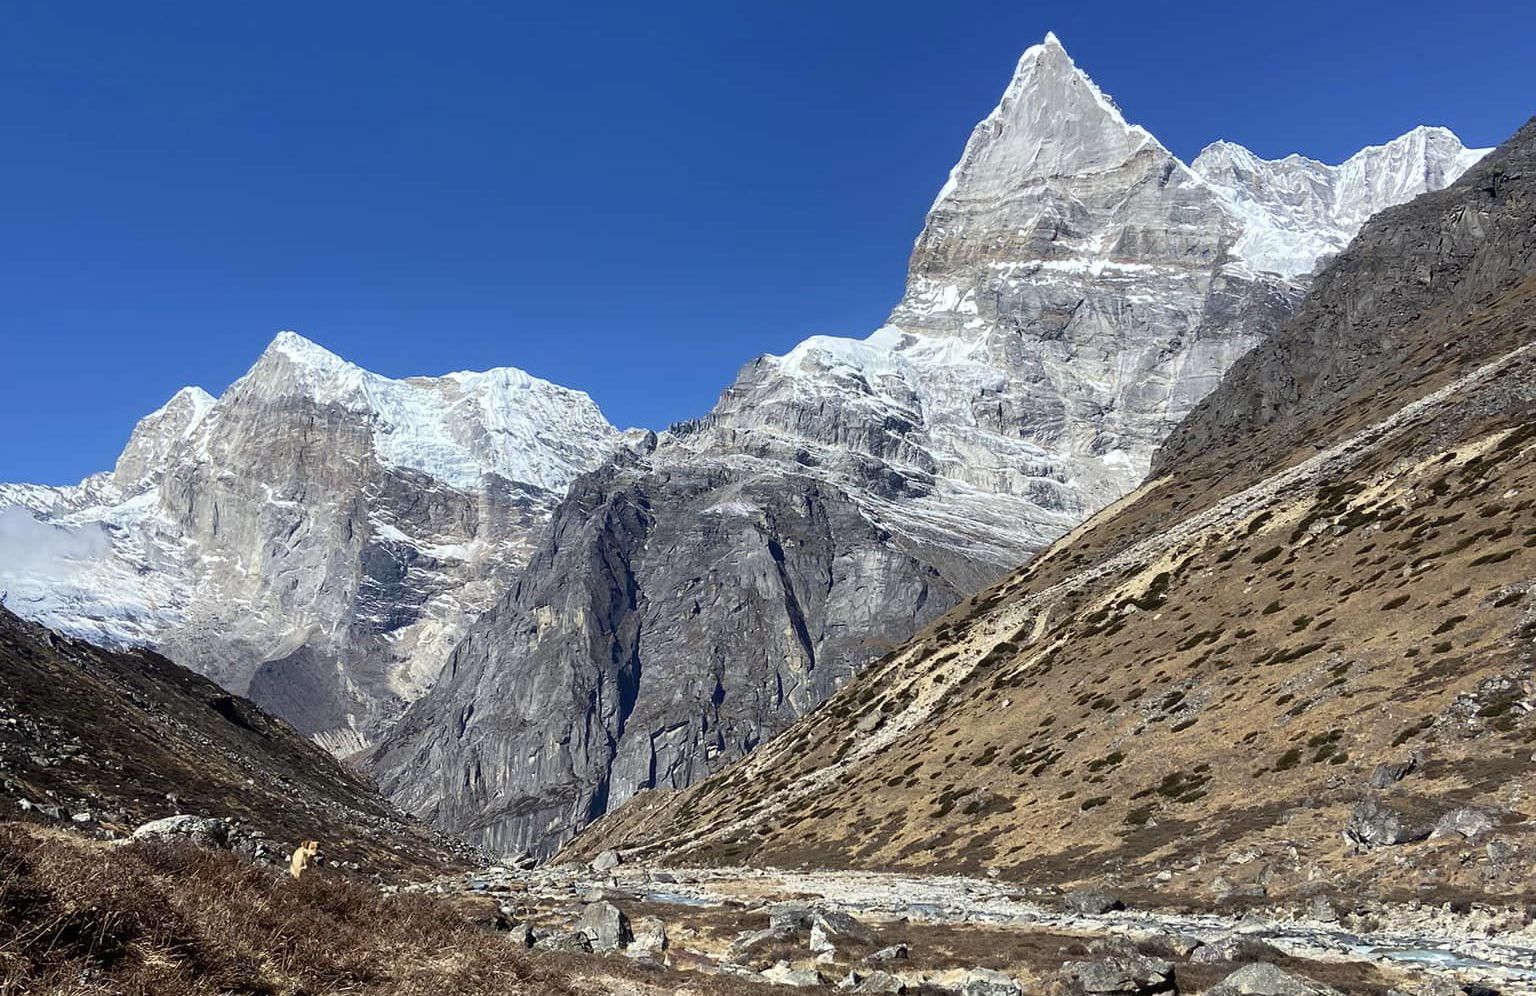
[456, 428]
[1059, 206]
[1296, 210]
[315, 508]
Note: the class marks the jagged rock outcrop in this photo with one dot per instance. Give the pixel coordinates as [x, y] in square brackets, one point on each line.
[317, 538]
[1075, 291]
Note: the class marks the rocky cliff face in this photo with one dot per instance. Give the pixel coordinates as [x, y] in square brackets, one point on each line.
[1299, 658]
[1075, 291]
[317, 538]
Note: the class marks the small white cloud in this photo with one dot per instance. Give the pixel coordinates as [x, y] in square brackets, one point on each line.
[39, 551]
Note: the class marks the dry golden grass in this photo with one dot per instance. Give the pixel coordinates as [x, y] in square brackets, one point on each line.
[78, 918]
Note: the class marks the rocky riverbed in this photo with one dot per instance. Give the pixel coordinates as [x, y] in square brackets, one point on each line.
[872, 932]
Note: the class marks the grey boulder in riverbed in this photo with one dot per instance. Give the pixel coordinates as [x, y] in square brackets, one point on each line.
[1093, 902]
[605, 926]
[1263, 979]
[1130, 973]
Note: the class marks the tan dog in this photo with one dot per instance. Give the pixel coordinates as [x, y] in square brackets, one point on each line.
[302, 857]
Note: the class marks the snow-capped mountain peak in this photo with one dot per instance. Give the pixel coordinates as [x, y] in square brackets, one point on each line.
[1054, 123]
[456, 428]
[315, 517]
[157, 434]
[1052, 120]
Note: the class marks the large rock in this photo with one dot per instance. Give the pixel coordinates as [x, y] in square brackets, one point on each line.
[1373, 824]
[986, 982]
[564, 940]
[1233, 948]
[783, 974]
[522, 935]
[1263, 979]
[1093, 902]
[872, 982]
[201, 831]
[835, 927]
[650, 936]
[749, 942]
[1466, 823]
[1123, 974]
[790, 916]
[1389, 773]
[605, 926]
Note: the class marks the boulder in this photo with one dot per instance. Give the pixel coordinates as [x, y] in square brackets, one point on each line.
[607, 861]
[522, 935]
[257, 846]
[605, 926]
[1224, 888]
[987, 982]
[1467, 823]
[872, 982]
[200, 831]
[783, 974]
[1263, 979]
[1093, 902]
[1389, 773]
[790, 916]
[1434, 987]
[1122, 974]
[1177, 945]
[896, 952]
[836, 927]
[1232, 948]
[650, 936]
[564, 940]
[1375, 825]
[746, 943]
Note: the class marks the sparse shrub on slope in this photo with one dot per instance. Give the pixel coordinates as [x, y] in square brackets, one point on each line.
[175, 921]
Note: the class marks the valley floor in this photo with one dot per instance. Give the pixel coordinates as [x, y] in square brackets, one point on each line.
[717, 922]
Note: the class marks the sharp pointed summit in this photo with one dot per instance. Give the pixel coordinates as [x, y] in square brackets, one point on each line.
[300, 348]
[1051, 121]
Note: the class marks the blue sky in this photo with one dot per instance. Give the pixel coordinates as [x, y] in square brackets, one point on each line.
[629, 198]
